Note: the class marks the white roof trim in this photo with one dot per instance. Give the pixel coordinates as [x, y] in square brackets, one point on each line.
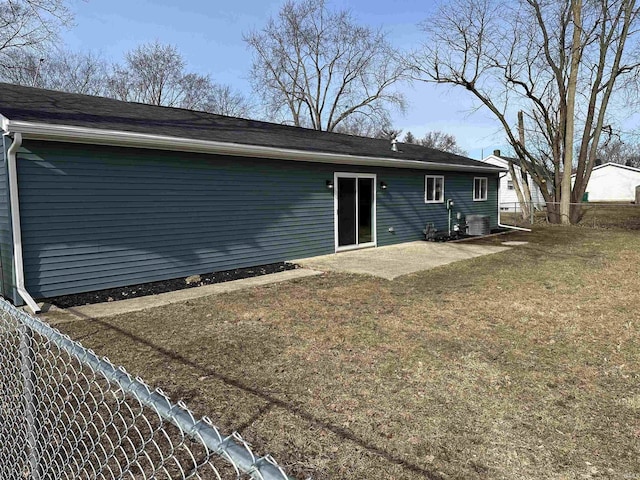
[94, 136]
[494, 157]
[625, 167]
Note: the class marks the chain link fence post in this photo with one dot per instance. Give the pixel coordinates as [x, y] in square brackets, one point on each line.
[28, 387]
[532, 213]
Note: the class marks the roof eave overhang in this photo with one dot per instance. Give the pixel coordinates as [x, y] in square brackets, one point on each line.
[94, 136]
[625, 167]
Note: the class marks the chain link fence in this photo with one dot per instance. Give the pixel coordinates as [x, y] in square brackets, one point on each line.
[513, 214]
[65, 413]
[594, 214]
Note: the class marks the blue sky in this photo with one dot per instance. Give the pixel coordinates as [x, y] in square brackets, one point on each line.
[209, 36]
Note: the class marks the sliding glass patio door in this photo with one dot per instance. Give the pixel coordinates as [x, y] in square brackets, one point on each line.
[355, 200]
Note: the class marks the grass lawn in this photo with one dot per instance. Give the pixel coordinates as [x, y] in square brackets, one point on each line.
[518, 365]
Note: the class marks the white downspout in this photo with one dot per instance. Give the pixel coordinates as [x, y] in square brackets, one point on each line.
[500, 224]
[15, 223]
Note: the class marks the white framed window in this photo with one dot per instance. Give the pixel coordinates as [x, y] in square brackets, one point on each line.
[510, 185]
[480, 189]
[433, 189]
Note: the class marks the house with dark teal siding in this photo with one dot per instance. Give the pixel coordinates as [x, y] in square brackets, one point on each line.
[97, 193]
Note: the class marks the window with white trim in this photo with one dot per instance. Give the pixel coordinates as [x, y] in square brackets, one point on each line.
[433, 189]
[510, 185]
[480, 189]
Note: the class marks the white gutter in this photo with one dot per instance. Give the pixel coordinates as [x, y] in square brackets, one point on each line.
[94, 136]
[15, 223]
[500, 224]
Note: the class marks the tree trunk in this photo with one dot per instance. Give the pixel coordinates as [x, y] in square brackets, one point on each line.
[572, 82]
[576, 213]
[550, 200]
[553, 212]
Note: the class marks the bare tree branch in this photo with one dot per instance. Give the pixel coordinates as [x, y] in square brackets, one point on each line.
[62, 70]
[441, 141]
[155, 73]
[562, 62]
[317, 68]
[30, 27]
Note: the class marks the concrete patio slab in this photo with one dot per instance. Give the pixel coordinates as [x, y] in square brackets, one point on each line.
[396, 260]
[387, 262]
[98, 310]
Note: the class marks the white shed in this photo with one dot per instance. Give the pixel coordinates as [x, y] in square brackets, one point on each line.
[612, 182]
[507, 197]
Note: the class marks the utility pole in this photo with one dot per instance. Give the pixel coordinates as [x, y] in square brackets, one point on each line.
[35, 75]
[523, 172]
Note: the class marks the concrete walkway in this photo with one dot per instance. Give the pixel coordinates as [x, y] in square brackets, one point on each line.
[396, 260]
[98, 310]
[386, 262]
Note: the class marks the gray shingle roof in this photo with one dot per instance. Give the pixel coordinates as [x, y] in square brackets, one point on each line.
[19, 103]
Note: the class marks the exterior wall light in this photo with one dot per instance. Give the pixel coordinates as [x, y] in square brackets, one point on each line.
[329, 184]
[383, 185]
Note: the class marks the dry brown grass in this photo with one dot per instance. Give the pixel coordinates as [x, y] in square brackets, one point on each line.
[595, 215]
[519, 365]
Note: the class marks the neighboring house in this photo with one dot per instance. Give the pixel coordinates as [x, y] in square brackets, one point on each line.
[107, 193]
[611, 182]
[508, 198]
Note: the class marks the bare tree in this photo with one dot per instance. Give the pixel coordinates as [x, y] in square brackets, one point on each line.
[441, 141]
[22, 68]
[223, 100]
[318, 68]
[30, 25]
[155, 73]
[562, 62]
[438, 140]
[615, 149]
[199, 92]
[363, 126]
[58, 70]
[84, 73]
[184, 90]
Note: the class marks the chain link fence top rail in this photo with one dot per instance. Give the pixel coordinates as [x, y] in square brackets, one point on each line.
[594, 214]
[65, 413]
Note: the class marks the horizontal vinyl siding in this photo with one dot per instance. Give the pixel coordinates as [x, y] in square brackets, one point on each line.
[6, 239]
[402, 207]
[402, 204]
[462, 194]
[101, 217]
[96, 218]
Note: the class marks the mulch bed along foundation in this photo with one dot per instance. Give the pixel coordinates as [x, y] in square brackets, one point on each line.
[153, 288]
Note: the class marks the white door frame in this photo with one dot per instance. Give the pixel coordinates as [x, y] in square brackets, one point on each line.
[374, 233]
